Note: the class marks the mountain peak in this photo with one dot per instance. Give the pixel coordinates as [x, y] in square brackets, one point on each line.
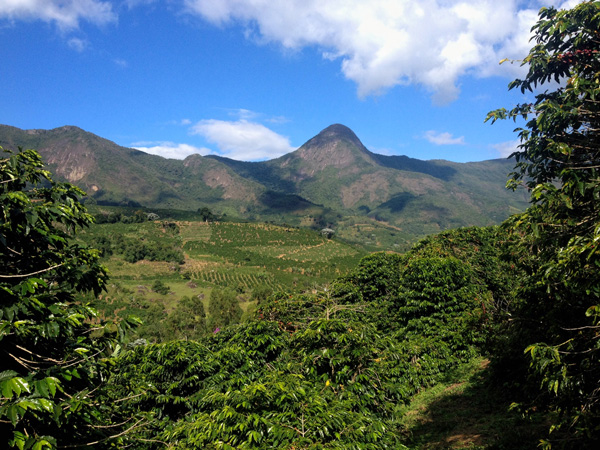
[337, 129]
[335, 132]
[336, 146]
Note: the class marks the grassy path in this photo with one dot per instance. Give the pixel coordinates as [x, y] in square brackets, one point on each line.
[467, 411]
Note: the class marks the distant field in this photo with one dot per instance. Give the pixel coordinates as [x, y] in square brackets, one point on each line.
[196, 231]
[251, 254]
[239, 256]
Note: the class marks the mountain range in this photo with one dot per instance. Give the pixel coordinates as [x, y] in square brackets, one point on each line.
[332, 180]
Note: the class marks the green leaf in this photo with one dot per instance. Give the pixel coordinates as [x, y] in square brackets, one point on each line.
[14, 386]
[14, 413]
[18, 440]
[7, 374]
[41, 444]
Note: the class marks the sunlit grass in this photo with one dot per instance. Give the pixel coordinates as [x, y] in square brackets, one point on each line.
[466, 411]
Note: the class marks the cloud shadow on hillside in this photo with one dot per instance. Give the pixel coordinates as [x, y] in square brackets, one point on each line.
[415, 165]
[284, 202]
[398, 202]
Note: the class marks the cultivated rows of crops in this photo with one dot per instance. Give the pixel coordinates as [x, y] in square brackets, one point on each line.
[286, 254]
[220, 254]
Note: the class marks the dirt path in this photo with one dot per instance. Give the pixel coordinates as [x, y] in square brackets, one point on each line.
[301, 250]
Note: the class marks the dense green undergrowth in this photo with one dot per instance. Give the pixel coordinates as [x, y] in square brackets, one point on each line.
[364, 361]
[327, 369]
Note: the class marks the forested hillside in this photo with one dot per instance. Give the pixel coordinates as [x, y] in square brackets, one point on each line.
[384, 202]
[477, 337]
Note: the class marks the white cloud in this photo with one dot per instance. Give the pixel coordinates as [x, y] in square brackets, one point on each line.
[79, 45]
[179, 122]
[505, 149]
[382, 43]
[438, 138]
[66, 14]
[135, 3]
[382, 151]
[253, 116]
[242, 139]
[244, 114]
[170, 149]
[277, 119]
[121, 62]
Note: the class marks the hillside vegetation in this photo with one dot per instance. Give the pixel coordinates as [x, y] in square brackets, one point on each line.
[334, 366]
[382, 202]
[477, 337]
[153, 264]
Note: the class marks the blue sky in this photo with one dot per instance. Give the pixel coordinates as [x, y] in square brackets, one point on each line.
[254, 79]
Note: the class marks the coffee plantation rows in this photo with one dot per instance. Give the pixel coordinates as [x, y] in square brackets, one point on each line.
[193, 258]
[237, 278]
[278, 250]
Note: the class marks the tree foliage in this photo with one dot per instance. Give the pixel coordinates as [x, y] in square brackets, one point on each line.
[315, 370]
[557, 320]
[53, 350]
[206, 214]
[223, 308]
[188, 319]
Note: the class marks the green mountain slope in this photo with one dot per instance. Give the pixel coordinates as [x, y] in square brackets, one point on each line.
[112, 174]
[332, 180]
[406, 196]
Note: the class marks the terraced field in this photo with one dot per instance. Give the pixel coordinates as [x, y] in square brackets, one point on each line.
[193, 258]
[280, 257]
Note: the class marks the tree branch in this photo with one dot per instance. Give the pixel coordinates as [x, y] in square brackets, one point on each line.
[32, 273]
[89, 444]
